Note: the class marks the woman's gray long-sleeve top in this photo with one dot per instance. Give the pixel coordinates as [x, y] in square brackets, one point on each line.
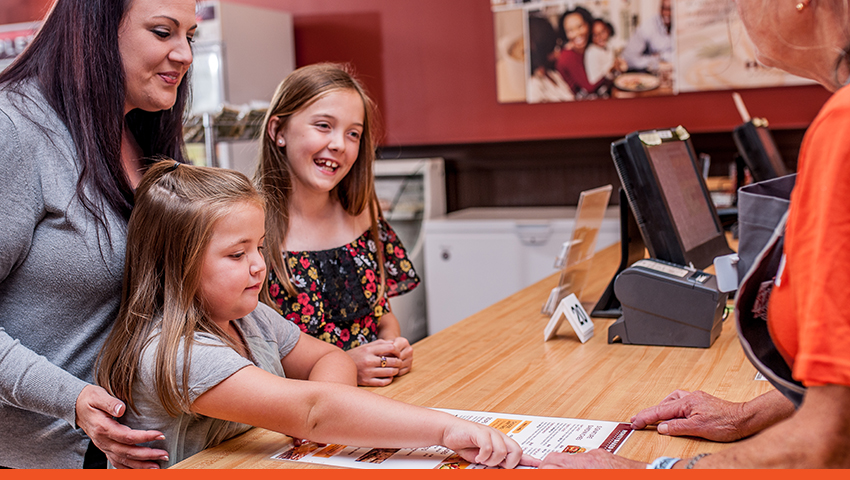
[60, 286]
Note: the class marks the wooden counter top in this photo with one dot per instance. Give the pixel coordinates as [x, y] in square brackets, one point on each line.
[496, 361]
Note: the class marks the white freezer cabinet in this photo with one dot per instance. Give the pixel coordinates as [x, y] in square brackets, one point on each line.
[410, 191]
[476, 257]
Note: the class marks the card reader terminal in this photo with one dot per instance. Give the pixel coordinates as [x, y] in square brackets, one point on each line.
[667, 304]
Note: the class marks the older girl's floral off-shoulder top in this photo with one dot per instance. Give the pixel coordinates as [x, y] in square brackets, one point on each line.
[337, 288]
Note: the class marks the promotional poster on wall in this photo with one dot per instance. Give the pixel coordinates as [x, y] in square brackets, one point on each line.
[560, 51]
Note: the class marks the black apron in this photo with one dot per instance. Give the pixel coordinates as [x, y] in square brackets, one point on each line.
[765, 206]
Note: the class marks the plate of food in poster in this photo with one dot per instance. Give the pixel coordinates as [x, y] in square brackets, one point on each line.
[637, 82]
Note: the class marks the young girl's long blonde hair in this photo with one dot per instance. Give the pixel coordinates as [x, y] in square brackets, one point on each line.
[355, 192]
[176, 209]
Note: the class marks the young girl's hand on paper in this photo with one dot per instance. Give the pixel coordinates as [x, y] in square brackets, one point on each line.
[481, 444]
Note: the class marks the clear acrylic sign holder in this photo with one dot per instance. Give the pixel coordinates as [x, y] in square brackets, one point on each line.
[577, 255]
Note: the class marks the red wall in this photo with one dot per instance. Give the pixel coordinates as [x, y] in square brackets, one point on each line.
[431, 66]
[436, 82]
[16, 11]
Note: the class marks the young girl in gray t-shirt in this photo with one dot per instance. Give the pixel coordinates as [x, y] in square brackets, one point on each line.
[194, 356]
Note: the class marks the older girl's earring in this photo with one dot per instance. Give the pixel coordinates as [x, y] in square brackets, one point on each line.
[280, 142]
[803, 4]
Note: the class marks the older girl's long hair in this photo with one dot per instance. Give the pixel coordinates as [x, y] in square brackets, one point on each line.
[355, 192]
[75, 62]
[177, 207]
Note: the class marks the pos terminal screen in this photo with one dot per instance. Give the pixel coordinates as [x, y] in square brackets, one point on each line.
[680, 185]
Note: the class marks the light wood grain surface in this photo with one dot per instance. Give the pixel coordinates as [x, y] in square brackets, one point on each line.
[496, 361]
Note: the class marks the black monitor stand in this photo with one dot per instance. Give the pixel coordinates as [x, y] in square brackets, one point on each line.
[632, 249]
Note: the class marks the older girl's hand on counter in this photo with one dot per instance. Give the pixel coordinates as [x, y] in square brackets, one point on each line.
[377, 363]
[405, 355]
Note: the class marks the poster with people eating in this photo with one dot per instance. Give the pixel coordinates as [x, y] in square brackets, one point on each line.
[714, 51]
[560, 51]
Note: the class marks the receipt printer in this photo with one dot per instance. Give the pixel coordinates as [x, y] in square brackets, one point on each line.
[667, 304]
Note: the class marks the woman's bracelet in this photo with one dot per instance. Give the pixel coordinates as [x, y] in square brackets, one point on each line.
[694, 460]
[662, 463]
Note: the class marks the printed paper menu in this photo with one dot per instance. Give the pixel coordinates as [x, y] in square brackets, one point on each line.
[537, 436]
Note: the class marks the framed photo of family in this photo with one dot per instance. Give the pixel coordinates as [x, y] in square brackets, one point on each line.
[561, 51]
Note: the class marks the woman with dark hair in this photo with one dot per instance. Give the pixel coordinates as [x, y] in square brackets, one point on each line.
[101, 88]
[576, 34]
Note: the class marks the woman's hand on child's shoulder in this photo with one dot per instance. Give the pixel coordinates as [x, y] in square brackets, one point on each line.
[95, 410]
[482, 444]
[377, 363]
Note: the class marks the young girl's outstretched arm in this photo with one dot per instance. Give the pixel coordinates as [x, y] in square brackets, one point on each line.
[330, 413]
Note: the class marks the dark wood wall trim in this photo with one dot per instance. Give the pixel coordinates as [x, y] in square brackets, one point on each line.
[554, 172]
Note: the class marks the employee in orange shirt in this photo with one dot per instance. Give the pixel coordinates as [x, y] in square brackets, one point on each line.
[809, 308]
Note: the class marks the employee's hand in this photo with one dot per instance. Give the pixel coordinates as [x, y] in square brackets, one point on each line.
[405, 355]
[377, 363]
[593, 459]
[696, 414]
[699, 414]
[95, 411]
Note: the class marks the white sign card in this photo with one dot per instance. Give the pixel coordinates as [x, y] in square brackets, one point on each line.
[570, 308]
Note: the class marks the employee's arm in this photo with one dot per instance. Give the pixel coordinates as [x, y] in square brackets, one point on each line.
[815, 436]
[698, 414]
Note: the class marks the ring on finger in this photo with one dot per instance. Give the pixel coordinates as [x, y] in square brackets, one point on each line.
[383, 361]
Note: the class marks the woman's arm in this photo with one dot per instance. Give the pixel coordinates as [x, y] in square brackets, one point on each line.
[95, 411]
[313, 359]
[328, 413]
[28, 380]
[571, 67]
